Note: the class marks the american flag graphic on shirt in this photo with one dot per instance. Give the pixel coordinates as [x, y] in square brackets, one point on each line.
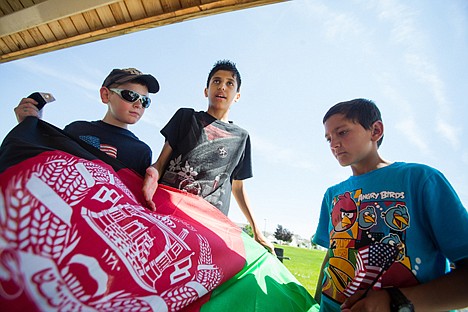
[372, 262]
[109, 150]
[96, 142]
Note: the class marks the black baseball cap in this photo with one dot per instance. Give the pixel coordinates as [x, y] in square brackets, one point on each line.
[120, 76]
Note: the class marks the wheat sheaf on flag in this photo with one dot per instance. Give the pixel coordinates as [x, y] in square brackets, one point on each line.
[75, 236]
[371, 263]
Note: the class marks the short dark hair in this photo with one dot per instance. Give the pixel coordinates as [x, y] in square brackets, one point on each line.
[228, 66]
[361, 111]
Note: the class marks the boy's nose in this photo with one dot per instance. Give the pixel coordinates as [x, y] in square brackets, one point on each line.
[334, 143]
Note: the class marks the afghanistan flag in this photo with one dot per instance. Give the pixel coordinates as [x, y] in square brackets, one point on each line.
[74, 236]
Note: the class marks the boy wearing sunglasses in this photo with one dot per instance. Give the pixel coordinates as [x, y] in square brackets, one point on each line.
[125, 92]
[206, 154]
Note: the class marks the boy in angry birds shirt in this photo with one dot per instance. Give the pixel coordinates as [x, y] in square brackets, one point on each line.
[389, 244]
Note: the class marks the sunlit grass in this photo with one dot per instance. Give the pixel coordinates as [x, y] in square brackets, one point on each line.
[304, 264]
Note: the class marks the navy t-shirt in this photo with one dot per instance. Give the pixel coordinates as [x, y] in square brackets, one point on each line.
[114, 141]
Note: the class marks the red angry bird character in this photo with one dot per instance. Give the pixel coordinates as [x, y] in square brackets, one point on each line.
[344, 213]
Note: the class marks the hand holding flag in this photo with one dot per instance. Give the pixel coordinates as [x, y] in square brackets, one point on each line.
[372, 262]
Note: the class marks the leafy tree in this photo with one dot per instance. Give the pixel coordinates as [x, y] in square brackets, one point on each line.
[314, 245]
[283, 234]
[248, 229]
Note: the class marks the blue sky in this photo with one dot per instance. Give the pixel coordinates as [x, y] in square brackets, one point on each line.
[296, 59]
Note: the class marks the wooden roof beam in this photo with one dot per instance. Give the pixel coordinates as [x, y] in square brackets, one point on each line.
[45, 12]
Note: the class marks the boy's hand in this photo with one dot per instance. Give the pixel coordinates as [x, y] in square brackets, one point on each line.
[261, 239]
[375, 300]
[150, 184]
[26, 107]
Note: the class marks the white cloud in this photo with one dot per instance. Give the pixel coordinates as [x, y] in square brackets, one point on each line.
[337, 25]
[407, 125]
[276, 154]
[411, 131]
[458, 11]
[47, 71]
[449, 132]
[401, 17]
[342, 26]
[427, 73]
[465, 157]
[406, 33]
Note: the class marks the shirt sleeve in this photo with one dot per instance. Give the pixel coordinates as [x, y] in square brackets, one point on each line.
[322, 235]
[447, 216]
[243, 169]
[178, 126]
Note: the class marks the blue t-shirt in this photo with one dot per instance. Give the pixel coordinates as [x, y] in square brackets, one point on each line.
[409, 205]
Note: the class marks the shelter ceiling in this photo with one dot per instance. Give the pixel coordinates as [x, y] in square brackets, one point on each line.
[31, 27]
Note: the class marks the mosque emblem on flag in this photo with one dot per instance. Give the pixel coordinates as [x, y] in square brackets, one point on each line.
[90, 241]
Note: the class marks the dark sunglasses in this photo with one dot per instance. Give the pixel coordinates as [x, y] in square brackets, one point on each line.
[132, 96]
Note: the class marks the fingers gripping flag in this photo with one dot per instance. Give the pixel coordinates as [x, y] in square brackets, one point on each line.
[372, 261]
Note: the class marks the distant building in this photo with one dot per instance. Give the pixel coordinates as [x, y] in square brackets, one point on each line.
[297, 240]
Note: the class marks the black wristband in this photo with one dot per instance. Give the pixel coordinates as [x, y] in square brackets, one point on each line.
[398, 301]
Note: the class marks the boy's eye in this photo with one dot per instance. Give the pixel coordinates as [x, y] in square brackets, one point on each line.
[344, 132]
[230, 83]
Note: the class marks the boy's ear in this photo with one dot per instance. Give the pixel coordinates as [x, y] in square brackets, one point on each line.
[237, 97]
[377, 130]
[105, 94]
[206, 92]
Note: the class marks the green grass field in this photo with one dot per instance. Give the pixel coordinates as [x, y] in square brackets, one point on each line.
[304, 264]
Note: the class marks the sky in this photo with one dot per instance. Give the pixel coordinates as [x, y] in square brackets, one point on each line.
[297, 59]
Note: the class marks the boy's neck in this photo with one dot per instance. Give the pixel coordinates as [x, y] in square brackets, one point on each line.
[113, 122]
[220, 115]
[369, 165]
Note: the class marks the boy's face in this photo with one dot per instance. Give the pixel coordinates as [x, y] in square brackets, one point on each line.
[350, 142]
[120, 111]
[222, 90]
